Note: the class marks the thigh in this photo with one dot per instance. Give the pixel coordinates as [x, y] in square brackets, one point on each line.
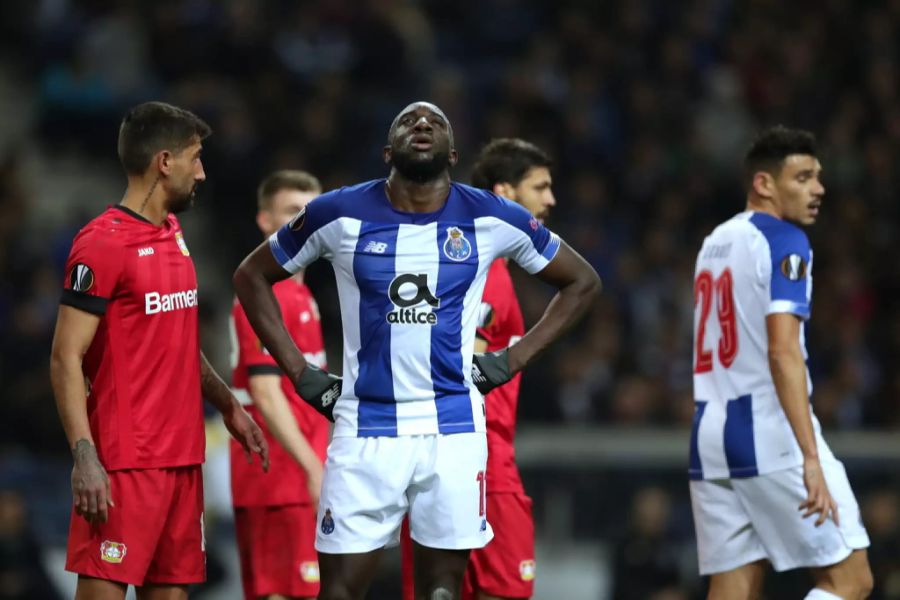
[123, 548]
[439, 569]
[347, 576]
[447, 495]
[726, 539]
[363, 497]
[742, 583]
[850, 575]
[506, 567]
[90, 588]
[180, 556]
[791, 541]
[162, 591]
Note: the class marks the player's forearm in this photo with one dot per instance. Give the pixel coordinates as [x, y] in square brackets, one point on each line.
[264, 313]
[789, 375]
[564, 310]
[276, 412]
[214, 389]
[70, 393]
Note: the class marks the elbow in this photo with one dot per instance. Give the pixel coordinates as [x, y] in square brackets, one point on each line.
[241, 279]
[590, 286]
[780, 358]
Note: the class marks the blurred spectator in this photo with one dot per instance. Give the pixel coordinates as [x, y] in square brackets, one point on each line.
[647, 558]
[22, 575]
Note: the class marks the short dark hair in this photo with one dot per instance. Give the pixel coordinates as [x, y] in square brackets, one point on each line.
[772, 146]
[151, 127]
[507, 160]
[286, 179]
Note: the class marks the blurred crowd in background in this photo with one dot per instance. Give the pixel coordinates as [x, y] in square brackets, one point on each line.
[646, 107]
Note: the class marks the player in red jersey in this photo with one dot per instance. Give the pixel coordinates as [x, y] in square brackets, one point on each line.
[505, 568]
[275, 512]
[128, 375]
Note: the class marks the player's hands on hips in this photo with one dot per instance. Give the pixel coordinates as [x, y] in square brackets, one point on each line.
[319, 389]
[490, 370]
[818, 498]
[90, 484]
[244, 429]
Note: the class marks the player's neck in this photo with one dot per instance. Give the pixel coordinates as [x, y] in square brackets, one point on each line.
[146, 197]
[763, 207]
[411, 196]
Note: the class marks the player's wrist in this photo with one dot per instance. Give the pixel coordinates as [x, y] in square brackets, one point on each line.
[84, 449]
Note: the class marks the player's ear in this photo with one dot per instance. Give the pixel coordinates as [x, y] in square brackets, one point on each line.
[264, 221]
[163, 160]
[454, 157]
[504, 189]
[763, 184]
[386, 154]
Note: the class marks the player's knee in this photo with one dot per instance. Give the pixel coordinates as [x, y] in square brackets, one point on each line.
[441, 593]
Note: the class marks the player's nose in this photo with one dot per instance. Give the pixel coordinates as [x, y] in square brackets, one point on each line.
[550, 199]
[200, 175]
[422, 124]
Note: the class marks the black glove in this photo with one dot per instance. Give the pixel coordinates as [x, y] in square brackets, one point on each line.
[490, 370]
[319, 389]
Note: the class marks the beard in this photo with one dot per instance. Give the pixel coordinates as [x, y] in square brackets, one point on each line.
[182, 201]
[418, 168]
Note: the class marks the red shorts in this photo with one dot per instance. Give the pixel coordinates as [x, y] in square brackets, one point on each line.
[154, 533]
[277, 550]
[505, 567]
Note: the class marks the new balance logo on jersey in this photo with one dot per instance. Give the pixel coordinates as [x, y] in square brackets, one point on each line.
[154, 302]
[375, 247]
[145, 251]
[409, 311]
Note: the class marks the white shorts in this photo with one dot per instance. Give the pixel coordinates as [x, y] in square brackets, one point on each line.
[740, 521]
[370, 483]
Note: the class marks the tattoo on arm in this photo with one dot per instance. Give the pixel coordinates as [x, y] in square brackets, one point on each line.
[84, 449]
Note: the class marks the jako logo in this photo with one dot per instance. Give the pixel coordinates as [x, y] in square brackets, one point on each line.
[406, 314]
[145, 251]
[154, 302]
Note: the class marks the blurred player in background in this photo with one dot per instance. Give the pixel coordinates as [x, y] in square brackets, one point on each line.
[129, 376]
[275, 513]
[411, 254]
[765, 485]
[505, 568]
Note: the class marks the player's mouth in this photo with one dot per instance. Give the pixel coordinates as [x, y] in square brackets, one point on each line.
[422, 143]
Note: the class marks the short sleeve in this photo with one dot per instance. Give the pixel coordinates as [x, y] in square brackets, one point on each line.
[523, 238]
[300, 242]
[93, 270]
[250, 349]
[791, 275]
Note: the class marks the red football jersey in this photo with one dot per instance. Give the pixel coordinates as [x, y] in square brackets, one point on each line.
[143, 366]
[285, 483]
[502, 325]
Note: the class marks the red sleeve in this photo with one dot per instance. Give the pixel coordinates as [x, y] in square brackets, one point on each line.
[93, 271]
[250, 349]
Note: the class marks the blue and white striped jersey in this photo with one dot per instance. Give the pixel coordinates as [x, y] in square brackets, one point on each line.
[410, 287]
[750, 266]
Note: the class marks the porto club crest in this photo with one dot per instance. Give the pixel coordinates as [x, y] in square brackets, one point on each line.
[456, 246]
